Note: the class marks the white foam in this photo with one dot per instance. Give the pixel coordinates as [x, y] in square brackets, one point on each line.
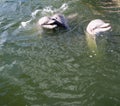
[33, 14]
[47, 9]
[51, 10]
[24, 24]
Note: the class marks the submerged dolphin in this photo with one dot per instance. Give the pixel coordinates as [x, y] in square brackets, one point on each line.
[97, 26]
[54, 21]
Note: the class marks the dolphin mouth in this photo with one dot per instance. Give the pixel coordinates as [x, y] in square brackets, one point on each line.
[102, 28]
[105, 26]
[50, 24]
[54, 22]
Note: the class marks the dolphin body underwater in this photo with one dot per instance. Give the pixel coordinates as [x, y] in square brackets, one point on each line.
[57, 20]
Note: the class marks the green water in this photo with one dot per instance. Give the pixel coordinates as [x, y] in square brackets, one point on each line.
[57, 68]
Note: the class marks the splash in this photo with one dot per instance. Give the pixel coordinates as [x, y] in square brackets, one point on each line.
[33, 14]
[51, 10]
[48, 10]
[24, 24]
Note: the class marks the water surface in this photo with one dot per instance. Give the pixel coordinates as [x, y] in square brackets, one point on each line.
[57, 68]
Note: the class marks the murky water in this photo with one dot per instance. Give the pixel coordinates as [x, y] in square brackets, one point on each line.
[57, 68]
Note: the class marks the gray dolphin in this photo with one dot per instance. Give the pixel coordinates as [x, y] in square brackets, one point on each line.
[54, 21]
[97, 26]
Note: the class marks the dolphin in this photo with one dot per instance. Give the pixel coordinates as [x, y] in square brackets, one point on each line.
[57, 20]
[94, 30]
[97, 26]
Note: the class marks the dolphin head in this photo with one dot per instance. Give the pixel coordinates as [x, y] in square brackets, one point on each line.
[97, 26]
[54, 21]
[46, 22]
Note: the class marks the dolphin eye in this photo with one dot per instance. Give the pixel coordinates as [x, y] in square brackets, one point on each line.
[55, 17]
[52, 19]
[94, 28]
